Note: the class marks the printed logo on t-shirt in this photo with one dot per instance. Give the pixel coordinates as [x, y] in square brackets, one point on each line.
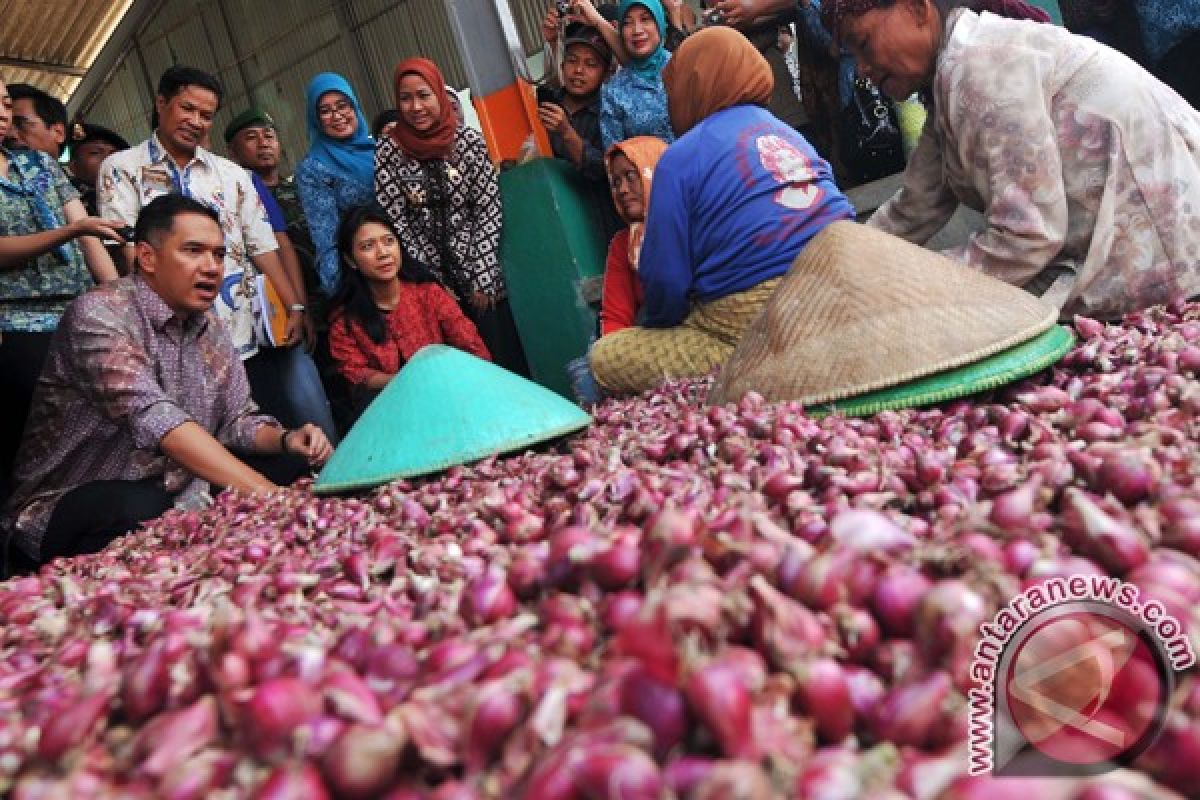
[790, 167]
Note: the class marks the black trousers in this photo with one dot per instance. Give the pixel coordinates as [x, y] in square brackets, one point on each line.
[90, 516]
[499, 332]
[21, 358]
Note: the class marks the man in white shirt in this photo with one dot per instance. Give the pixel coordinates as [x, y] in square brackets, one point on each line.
[173, 160]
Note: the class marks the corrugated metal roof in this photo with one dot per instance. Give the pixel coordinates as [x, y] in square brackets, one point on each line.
[52, 43]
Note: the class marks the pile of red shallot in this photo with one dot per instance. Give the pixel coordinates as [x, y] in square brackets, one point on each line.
[684, 601]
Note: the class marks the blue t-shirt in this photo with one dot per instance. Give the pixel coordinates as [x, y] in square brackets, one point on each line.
[274, 211]
[733, 202]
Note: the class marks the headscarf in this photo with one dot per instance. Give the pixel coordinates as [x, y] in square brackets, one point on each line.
[712, 70]
[354, 156]
[643, 152]
[833, 12]
[652, 64]
[438, 141]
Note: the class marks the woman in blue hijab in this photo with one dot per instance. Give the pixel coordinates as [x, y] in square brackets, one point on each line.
[633, 102]
[339, 171]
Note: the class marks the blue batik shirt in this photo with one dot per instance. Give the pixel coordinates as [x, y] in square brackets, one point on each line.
[34, 296]
[631, 105]
[325, 195]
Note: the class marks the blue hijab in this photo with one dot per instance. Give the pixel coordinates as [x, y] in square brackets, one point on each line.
[355, 156]
[650, 66]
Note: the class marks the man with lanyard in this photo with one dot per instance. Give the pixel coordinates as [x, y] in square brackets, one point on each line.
[172, 160]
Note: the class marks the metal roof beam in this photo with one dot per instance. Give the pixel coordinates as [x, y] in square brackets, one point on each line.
[42, 66]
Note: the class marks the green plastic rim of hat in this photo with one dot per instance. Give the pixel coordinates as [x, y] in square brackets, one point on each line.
[445, 408]
[1021, 361]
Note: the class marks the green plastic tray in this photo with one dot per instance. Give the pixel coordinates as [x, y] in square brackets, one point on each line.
[1005, 367]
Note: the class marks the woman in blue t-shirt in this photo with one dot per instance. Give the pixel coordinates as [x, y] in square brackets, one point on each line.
[735, 199]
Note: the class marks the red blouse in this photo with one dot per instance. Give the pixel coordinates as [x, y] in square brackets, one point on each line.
[622, 295]
[424, 314]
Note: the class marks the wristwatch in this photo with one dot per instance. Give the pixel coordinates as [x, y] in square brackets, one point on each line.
[297, 307]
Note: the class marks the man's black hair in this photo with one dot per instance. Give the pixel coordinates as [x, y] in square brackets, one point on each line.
[49, 108]
[177, 77]
[158, 216]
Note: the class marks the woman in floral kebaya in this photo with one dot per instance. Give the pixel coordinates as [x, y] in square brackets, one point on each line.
[1086, 167]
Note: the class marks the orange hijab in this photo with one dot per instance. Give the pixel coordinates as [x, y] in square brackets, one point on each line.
[713, 70]
[643, 152]
[438, 141]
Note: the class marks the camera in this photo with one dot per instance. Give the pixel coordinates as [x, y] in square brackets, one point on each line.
[564, 7]
[125, 233]
[713, 16]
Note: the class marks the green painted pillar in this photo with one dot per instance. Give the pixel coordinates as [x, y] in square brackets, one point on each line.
[553, 253]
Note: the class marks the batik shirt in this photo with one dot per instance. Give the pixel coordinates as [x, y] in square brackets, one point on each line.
[325, 196]
[631, 105]
[123, 371]
[33, 296]
[132, 178]
[1086, 167]
[447, 211]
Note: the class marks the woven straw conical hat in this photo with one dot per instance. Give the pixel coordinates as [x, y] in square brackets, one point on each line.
[861, 310]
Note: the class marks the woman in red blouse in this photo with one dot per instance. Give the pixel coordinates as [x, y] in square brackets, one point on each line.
[630, 171]
[387, 307]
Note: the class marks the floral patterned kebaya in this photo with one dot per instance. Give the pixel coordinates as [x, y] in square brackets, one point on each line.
[1086, 167]
[130, 179]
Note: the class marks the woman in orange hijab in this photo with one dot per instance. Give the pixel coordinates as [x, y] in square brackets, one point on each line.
[436, 181]
[630, 167]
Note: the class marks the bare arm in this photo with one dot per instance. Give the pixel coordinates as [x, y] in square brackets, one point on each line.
[17, 251]
[94, 253]
[199, 453]
[742, 14]
[585, 11]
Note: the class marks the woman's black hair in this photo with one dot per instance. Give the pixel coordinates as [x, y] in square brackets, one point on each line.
[382, 119]
[353, 294]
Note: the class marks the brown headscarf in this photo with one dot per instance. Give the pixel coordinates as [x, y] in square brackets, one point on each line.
[834, 11]
[643, 152]
[438, 141]
[713, 70]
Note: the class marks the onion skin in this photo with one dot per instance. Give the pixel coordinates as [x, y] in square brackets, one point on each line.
[660, 706]
[363, 761]
[822, 692]
[293, 782]
[720, 699]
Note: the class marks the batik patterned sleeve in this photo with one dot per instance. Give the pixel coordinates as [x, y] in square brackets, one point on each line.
[924, 203]
[998, 111]
[317, 198]
[612, 129]
[240, 418]
[479, 238]
[116, 373]
[62, 184]
[117, 192]
[256, 226]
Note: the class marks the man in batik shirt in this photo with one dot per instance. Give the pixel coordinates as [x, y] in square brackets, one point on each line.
[142, 399]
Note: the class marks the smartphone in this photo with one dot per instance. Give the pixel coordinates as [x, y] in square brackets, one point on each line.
[546, 95]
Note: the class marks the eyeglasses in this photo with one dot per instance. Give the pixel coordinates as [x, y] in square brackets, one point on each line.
[340, 109]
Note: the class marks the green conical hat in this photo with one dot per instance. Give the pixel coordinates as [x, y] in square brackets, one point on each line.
[446, 407]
